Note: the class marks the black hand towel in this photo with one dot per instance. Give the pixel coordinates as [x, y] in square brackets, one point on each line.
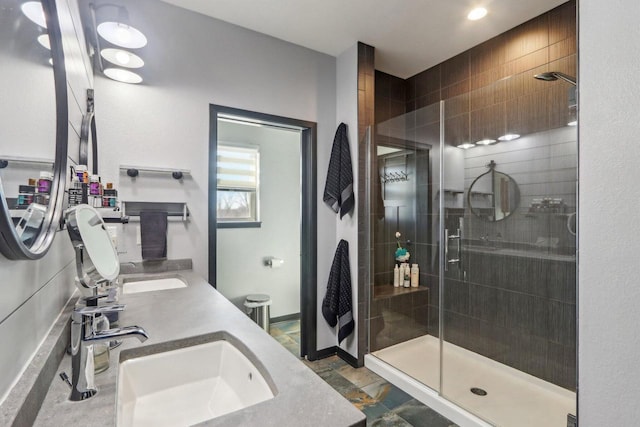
[153, 234]
[338, 189]
[336, 306]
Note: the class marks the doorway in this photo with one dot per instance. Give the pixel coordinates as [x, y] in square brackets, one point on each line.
[262, 214]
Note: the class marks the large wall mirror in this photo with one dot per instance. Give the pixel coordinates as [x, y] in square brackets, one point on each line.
[493, 196]
[88, 154]
[33, 127]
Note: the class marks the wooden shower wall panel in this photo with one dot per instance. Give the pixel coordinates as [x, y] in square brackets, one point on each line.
[497, 76]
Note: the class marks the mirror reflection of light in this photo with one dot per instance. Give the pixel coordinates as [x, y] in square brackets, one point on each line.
[43, 39]
[124, 76]
[466, 145]
[486, 142]
[509, 137]
[122, 35]
[33, 10]
[122, 58]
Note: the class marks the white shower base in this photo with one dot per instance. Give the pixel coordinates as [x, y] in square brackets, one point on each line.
[513, 398]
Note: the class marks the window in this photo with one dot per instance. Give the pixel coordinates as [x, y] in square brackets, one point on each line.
[238, 185]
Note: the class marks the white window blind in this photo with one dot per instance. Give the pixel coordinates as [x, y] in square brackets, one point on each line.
[238, 168]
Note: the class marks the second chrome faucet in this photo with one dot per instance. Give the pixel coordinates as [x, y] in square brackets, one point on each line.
[83, 335]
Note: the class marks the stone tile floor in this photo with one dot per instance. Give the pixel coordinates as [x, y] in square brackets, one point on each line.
[384, 404]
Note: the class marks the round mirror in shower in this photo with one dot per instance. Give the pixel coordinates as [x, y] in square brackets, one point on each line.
[33, 127]
[493, 196]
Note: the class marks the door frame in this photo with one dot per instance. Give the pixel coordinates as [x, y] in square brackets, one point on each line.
[308, 230]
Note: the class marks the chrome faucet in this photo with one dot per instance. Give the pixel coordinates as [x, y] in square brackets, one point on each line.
[84, 334]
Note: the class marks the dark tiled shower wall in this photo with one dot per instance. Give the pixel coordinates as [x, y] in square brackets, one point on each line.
[391, 96]
[397, 315]
[490, 89]
[517, 310]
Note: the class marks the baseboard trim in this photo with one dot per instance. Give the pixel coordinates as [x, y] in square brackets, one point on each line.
[324, 353]
[347, 357]
[342, 354]
[293, 316]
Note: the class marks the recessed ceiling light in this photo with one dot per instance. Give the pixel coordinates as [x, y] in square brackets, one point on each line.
[477, 13]
[509, 137]
[43, 39]
[124, 76]
[466, 145]
[33, 10]
[122, 58]
[122, 35]
[573, 123]
[486, 142]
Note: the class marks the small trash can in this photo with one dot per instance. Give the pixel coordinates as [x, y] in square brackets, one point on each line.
[257, 307]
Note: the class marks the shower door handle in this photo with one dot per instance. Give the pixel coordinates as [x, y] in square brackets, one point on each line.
[448, 237]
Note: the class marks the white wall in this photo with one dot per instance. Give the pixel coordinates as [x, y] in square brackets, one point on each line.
[193, 61]
[609, 295]
[241, 251]
[34, 292]
[347, 227]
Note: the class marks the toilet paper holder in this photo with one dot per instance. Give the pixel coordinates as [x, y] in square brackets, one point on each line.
[273, 262]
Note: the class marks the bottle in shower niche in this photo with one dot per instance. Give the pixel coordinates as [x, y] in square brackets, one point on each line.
[407, 276]
[415, 275]
[396, 276]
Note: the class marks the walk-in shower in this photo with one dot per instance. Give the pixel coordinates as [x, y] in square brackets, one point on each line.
[489, 335]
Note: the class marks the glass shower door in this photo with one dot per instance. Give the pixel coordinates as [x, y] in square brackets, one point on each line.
[404, 321]
[508, 253]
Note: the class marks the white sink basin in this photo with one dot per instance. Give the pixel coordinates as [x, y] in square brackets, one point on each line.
[153, 285]
[187, 386]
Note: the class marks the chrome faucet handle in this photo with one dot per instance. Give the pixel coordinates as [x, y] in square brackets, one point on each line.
[92, 301]
[98, 309]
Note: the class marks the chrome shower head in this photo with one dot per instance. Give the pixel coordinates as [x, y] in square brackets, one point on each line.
[555, 75]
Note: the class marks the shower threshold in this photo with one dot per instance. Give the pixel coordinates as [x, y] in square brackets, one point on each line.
[513, 398]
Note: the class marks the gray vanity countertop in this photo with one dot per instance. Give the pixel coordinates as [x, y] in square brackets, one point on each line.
[302, 399]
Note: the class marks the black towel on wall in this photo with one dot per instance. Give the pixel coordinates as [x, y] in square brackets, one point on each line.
[338, 189]
[153, 234]
[336, 305]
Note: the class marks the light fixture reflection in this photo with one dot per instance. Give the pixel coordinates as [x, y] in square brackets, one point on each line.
[33, 10]
[124, 76]
[477, 13]
[509, 137]
[43, 39]
[573, 123]
[122, 35]
[486, 142]
[122, 58]
[466, 145]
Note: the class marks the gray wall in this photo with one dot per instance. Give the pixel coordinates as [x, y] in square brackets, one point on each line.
[241, 251]
[347, 227]
[34, 292]
[609, 295]
[165, 121]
